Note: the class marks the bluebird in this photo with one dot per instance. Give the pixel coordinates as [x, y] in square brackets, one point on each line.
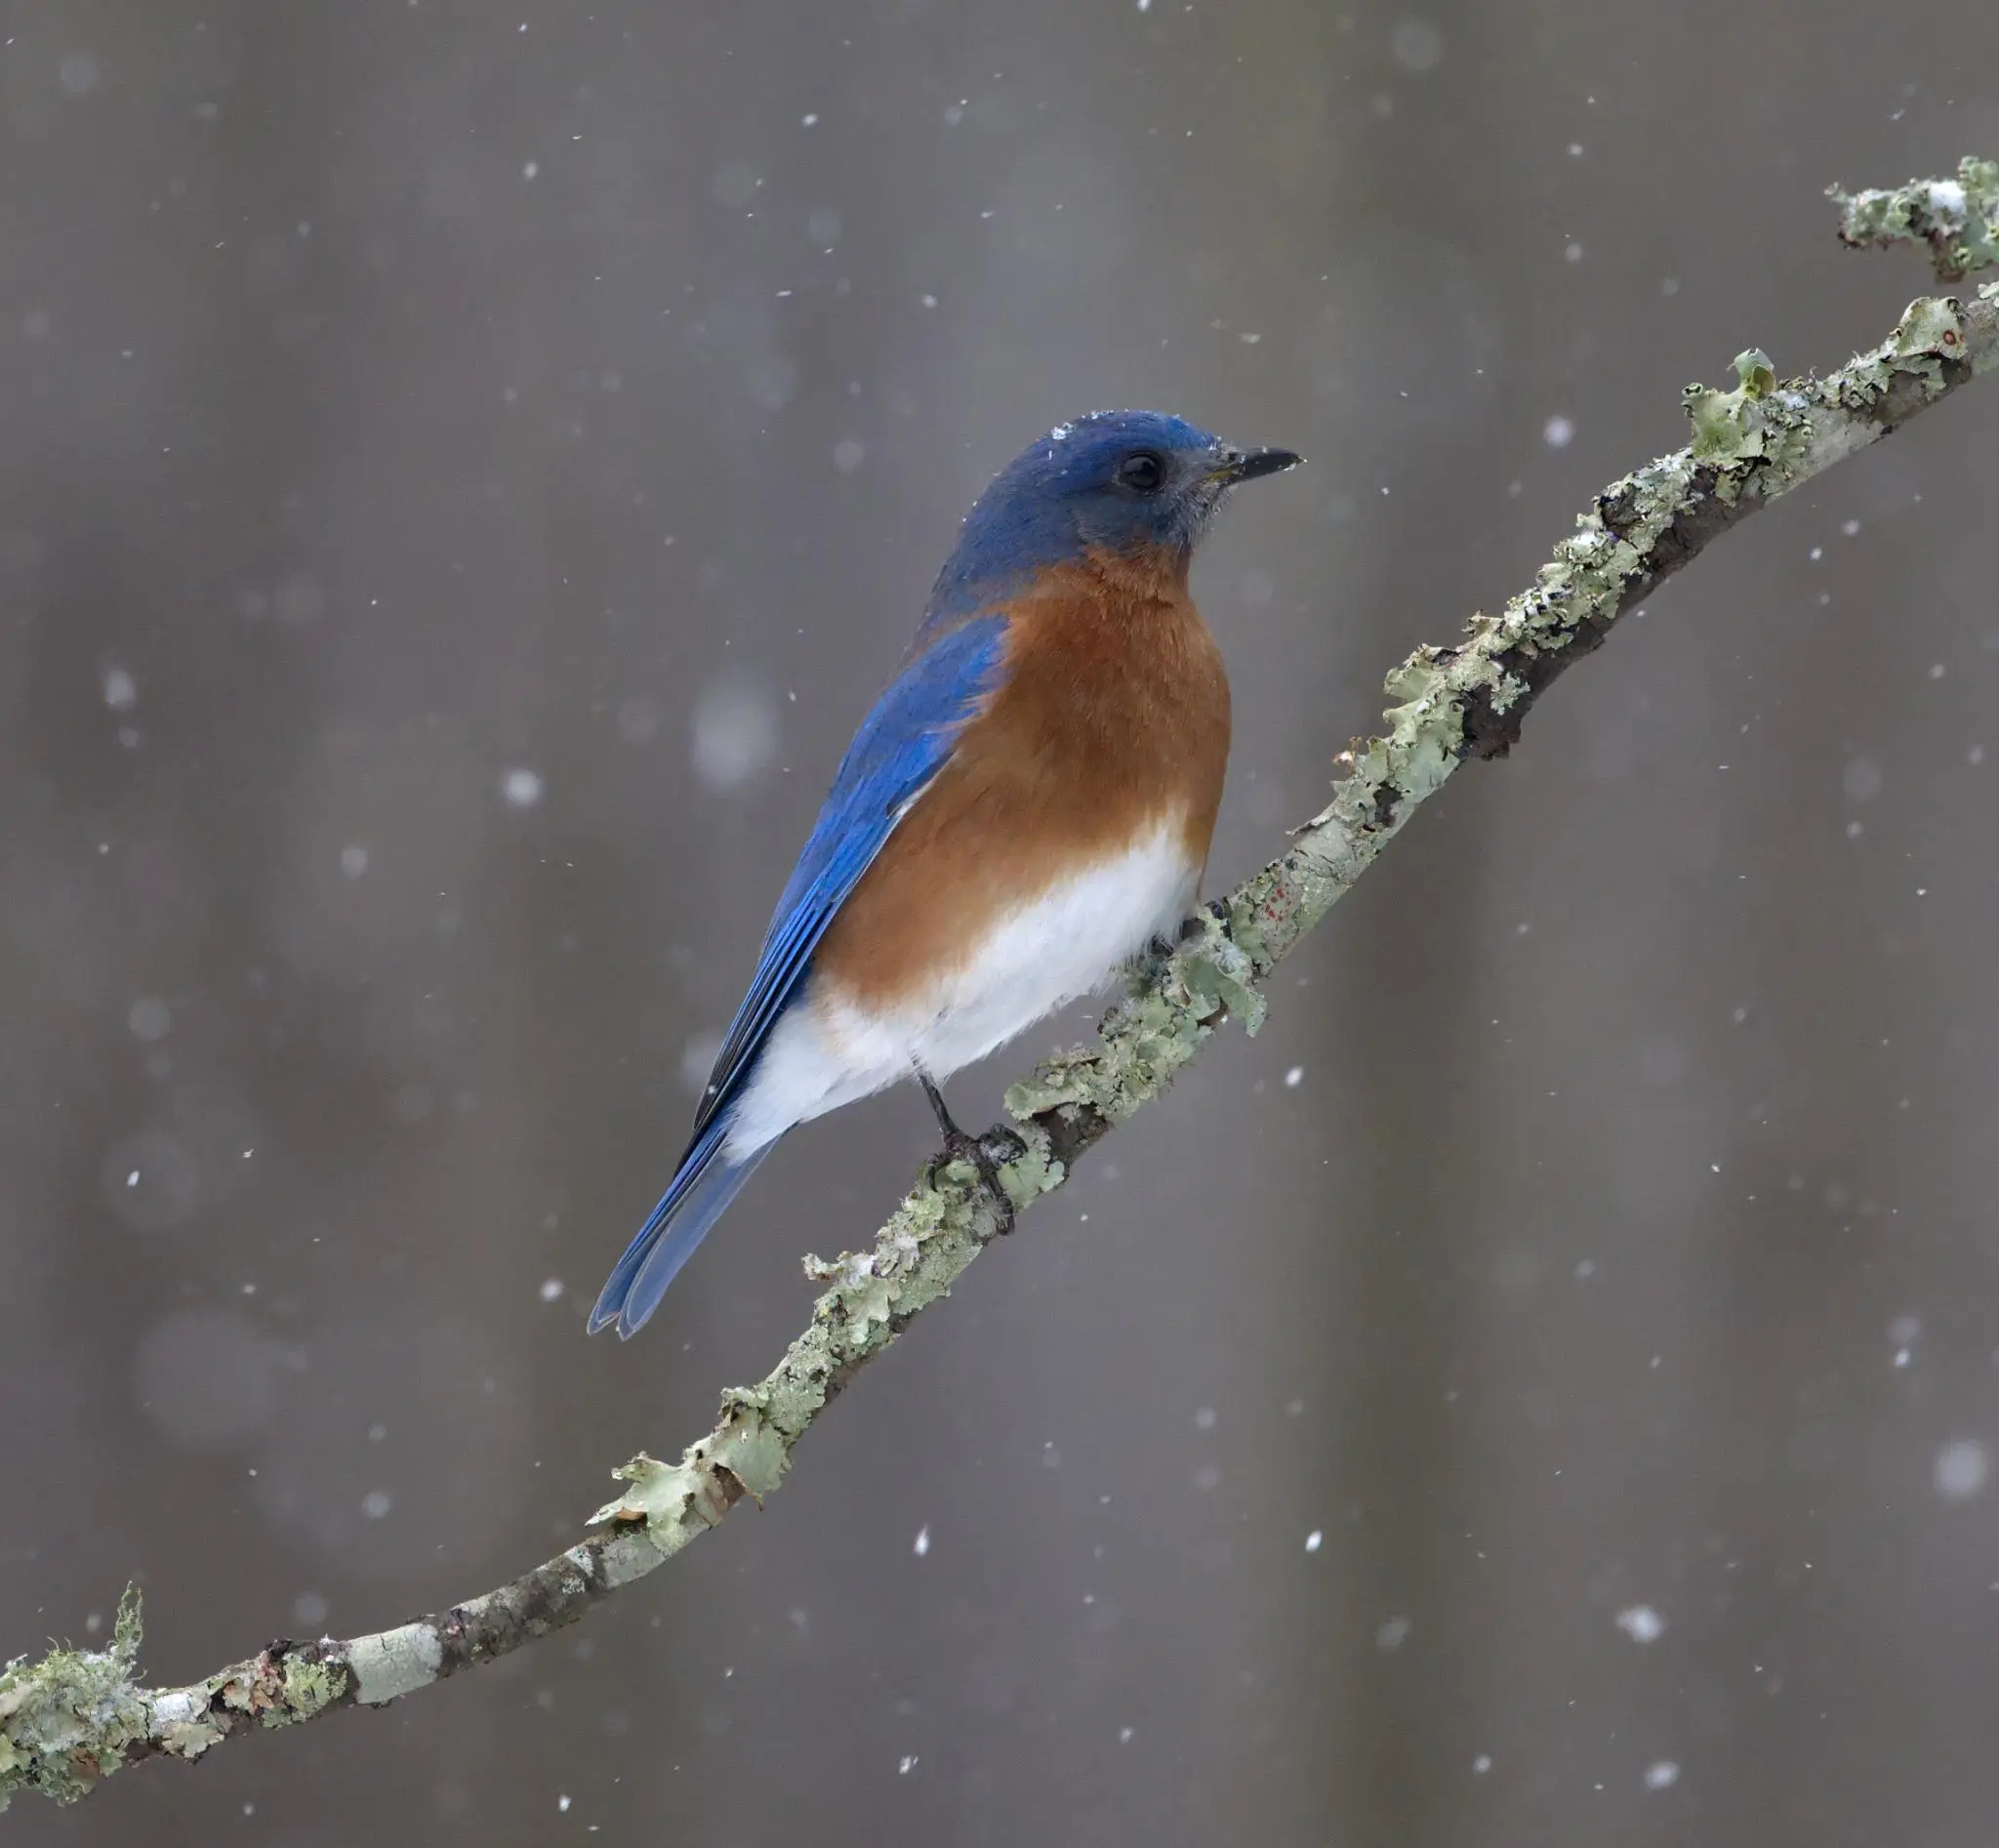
[1027, 806]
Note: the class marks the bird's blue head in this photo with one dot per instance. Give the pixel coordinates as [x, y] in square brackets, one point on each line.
[1125, 482]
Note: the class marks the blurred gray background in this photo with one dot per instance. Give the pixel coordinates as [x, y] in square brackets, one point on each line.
[463, 474]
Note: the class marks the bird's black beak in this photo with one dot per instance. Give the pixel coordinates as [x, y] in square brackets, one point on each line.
[1238, 466]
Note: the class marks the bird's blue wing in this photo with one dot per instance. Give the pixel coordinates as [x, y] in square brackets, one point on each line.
[901, 745]
[904, 742]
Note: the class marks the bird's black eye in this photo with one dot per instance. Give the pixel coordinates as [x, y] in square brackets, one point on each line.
[1141, 471]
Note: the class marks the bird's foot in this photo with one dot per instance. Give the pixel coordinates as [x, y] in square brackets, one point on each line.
[989, 1154]
[1164, 944]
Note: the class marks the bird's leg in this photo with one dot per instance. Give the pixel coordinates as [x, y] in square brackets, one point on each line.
[959, 1145]
[944, 1120]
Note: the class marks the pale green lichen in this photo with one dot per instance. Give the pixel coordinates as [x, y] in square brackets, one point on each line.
[1421, 695]
[1957, 219]
[311, 1687]
[790, 1399]
[750, 1450]
[188, 1738]
[665, 1497]
[1036, 1170]
[70, 1721]
[67, 1719]
[1175, 1003]
[1754, 422]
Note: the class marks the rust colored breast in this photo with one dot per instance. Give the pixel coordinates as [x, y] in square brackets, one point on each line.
[1113, 716]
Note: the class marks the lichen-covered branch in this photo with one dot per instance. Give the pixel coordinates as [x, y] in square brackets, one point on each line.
[1958, 219]
[71, 1718]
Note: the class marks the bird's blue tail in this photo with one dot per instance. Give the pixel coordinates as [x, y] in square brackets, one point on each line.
[700, 1195]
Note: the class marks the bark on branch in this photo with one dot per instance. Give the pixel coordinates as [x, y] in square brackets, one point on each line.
[71, 1718]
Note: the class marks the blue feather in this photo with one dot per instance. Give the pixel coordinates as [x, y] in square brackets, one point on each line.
[700, 1195]
[901, 746]
[1047, 506]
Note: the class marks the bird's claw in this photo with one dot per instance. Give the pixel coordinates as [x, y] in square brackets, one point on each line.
[989, 1154]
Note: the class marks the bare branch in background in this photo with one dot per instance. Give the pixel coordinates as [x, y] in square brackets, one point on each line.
[73, 1717]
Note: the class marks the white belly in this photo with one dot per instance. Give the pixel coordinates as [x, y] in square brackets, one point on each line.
[825, 1052]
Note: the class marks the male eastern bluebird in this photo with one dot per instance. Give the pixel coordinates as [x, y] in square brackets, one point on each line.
[1029, 804]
